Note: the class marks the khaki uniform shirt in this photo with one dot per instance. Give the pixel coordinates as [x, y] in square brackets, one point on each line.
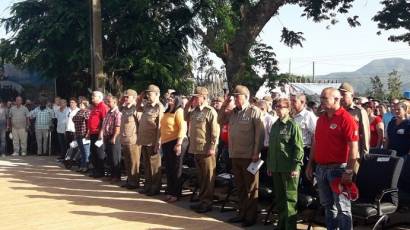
[246, 131]
[129, 125]
[149, 127]
[203, 129]
[362, 119]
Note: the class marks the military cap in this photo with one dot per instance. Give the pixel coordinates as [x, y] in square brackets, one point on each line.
[130, 92]
[152, 88]
[241, 90]
[346, 87]
[219, 99]
[267, 98]
[200, 91]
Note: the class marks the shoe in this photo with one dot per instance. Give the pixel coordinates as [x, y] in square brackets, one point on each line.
[3, 155]
[15, 154]
[130, 186]
[203, 209]
[172, 199]
[248, 223]
[24, 154]
[236, 219]
[143, 191]
[152, 193]
[195, 206]
[84, 170]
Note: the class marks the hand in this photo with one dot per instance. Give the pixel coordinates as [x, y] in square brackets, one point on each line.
[255, 157]
[177, 149]
[112, 141]
[294, 173]
[347, 178]
[309, 172]
[269, 173]
[211, 152]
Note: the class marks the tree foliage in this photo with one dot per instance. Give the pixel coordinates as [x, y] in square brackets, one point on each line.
[376, 90]
[395, 15]
[394, 85]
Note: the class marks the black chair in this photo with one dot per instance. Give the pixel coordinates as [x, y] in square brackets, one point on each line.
[388, 152]
[226, 180]
[377, 181]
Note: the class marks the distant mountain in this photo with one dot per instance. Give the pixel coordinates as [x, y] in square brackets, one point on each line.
[360, 79]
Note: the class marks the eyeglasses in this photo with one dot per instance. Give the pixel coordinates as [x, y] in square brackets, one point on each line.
[281, 107]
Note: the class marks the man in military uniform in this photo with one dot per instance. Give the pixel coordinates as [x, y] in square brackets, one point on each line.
[203, 133]
[128, 135]
[149, 139]
[285, 157]
[246, 136]
[359, 115]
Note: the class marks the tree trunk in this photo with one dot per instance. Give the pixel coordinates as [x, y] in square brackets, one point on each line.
[253, 19]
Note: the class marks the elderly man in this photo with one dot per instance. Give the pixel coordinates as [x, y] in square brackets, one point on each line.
[97, 114]
[246, 136]
[334, 151]
[130, 149]
[307, 121]
[149, 139]
[19, 123]
[359, 115]
[204, 133]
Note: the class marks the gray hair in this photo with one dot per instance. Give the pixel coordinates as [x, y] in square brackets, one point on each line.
[98, 94]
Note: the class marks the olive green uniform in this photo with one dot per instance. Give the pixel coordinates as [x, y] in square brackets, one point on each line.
[246, 136]
[148, 137]
[285, 155]
[131, 151]
[203, 135]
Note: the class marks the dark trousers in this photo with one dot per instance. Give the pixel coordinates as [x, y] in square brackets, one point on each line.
[173, 167]
[62, 143]
[264, 179]
[97, 156]
[152, 169]
[305, 186]
[113, 152]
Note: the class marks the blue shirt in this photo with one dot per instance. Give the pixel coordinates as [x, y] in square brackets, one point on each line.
[399, 136]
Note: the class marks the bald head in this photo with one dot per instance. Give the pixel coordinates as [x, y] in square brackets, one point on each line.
[330, 99]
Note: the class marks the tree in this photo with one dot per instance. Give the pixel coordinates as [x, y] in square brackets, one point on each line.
[377, 90]
[229, 28]
[395, 15]
[394, 85]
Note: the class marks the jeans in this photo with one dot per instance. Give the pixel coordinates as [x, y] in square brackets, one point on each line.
[85, 152]
[63, 144]
[337, 207]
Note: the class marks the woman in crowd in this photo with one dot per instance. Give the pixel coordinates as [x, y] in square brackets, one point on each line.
[70, 131]
[376, 126]
[173, 140]
[398, 131]
[80, 123]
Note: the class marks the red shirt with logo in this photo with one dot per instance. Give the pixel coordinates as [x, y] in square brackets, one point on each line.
[332, 137]
[96, 118]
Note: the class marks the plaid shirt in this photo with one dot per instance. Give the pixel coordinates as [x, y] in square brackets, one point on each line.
[80, 122]
[111, 120]
[43, 117]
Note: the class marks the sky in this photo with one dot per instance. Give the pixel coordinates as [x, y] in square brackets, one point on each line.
[340, 48]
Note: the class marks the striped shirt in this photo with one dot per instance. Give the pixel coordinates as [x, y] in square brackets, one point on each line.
[43, 117]
[111, 120]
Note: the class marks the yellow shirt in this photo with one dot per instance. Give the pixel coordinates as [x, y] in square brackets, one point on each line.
[173, 126]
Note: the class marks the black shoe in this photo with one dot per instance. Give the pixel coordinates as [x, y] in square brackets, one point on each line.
[152, 193]
[131, 187]
[247, 223]
[236, 219]
[195, 206]
[125, 185]
[203, 209]
[143, 191]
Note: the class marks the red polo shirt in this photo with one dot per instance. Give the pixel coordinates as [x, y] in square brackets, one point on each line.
[97, 115]
[332, 137]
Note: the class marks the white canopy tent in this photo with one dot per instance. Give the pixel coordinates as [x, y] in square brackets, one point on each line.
[12, 85]
[311, 89]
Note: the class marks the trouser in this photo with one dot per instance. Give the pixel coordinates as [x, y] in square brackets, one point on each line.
[55, 149]
[305, 186]
[132, 157]
[337, 206]
[62, 144]
[42, 140]
[264, 179]
[32, 141]
[206, 165]
[173, 167]
[85, 152]
[223, 163]
[247, 185]
[97, 156]
[113, 152]
[19, 140]
[152, 169]
[69, 137]
[286, 194]
[3, 139]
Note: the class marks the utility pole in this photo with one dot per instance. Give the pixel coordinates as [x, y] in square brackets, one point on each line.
[290, 66]
[97, 72]
[313, 74]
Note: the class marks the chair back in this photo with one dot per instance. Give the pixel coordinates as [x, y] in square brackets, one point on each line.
[388, 152]
[404, 182]
[377, 173]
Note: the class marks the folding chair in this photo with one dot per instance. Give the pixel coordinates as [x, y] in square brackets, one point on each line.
[377, 181]
[388, 152]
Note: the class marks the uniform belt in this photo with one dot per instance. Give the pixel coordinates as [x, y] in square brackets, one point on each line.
[331, 166]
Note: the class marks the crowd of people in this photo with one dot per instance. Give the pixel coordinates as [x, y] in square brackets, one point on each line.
[293, 136]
